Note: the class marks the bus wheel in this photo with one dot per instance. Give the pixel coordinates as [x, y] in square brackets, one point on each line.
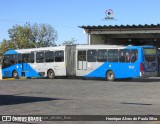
[110, 76]
[51, 74]
[15, 74]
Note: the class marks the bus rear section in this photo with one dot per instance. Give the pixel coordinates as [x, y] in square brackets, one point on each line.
[116, 62]
[149, 65]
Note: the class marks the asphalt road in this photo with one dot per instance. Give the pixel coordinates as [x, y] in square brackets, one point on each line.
[80, 97]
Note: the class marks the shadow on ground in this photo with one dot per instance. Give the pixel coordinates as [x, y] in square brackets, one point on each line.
[12, 99]
[141, 80]
[131, 103]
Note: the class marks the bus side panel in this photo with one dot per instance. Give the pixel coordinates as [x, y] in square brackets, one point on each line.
[7, 72]
[128, 70]
[31, 72]
[95, 70]
[120, 69]
[102, 70]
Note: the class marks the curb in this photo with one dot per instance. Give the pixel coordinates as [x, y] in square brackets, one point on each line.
[22, 78]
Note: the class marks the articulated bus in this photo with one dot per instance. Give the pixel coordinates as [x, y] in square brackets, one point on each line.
[101, 61]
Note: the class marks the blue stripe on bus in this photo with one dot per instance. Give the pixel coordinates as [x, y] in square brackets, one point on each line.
[11, 52]
[98, 72]
[30, 72]
[121, 70]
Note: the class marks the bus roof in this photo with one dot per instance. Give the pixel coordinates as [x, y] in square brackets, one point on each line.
[17, 51]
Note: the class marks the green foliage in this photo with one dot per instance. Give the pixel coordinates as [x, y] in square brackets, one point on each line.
[44, 35]
[6, 45]
[21, 36]
[29, 36]
[70, 42]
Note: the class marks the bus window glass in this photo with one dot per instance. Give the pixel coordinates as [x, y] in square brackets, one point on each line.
[13, 59]
[40, 57]
[102, 56]
[113, 55]
[9, 60]
[19, 58]
[31, 57]
[124, 55]
[25, 58]
[81, 55]
[134, 55]
[6, 61]
[150, 54]
[91, 55]
[59, 56]
[49, 56]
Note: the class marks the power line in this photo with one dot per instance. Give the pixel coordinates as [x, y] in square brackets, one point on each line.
[6, 20]
[16, 21]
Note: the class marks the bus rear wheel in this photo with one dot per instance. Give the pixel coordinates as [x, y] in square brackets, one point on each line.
[15, 74]
[110, 76]
[51, 74]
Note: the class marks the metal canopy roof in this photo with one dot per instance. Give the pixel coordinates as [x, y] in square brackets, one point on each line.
[122, 29]
[120, 26]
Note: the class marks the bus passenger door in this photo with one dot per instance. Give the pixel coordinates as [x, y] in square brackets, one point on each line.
[25, 64]
[81, 63]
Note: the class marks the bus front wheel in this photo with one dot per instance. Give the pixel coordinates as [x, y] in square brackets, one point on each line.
[15, 74]
[110, 76]
[51, 74]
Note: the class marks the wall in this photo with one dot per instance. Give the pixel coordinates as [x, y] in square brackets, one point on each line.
[101, 39]
[97, 39]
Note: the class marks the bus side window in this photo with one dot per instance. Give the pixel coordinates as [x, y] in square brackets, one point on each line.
[102, 56]
[91, 55]
[121, 56]
[113, 55]
[25, 58]
[81, 55]
[40, 57]
[49, 56]
[31, 58]
[19, 58]
[13, 58]
[59, 56]
[134, 55]
[127, 56]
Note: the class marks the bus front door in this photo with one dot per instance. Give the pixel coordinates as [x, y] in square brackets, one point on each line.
[81, 63]
[25, 65]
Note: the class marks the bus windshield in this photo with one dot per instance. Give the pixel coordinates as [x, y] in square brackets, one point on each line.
[150, 54]
[9, 60]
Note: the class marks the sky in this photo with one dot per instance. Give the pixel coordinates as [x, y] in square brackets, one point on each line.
[67, 15]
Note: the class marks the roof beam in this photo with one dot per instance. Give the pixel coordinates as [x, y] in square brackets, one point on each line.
[123, 31]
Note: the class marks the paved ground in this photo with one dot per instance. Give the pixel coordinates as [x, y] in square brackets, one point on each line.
[80, 97]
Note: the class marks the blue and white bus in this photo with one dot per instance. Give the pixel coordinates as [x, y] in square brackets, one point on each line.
[101, 61]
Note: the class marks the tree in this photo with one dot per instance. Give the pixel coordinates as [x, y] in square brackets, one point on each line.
[21, 36]
[29, 36]
[70, 42]
[6, 45]
[44, 35]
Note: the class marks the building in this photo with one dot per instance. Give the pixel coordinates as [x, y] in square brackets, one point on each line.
[124, 34]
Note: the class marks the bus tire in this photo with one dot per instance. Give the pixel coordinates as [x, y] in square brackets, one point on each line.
[15, 74]
[50, 74]
[110, 76]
